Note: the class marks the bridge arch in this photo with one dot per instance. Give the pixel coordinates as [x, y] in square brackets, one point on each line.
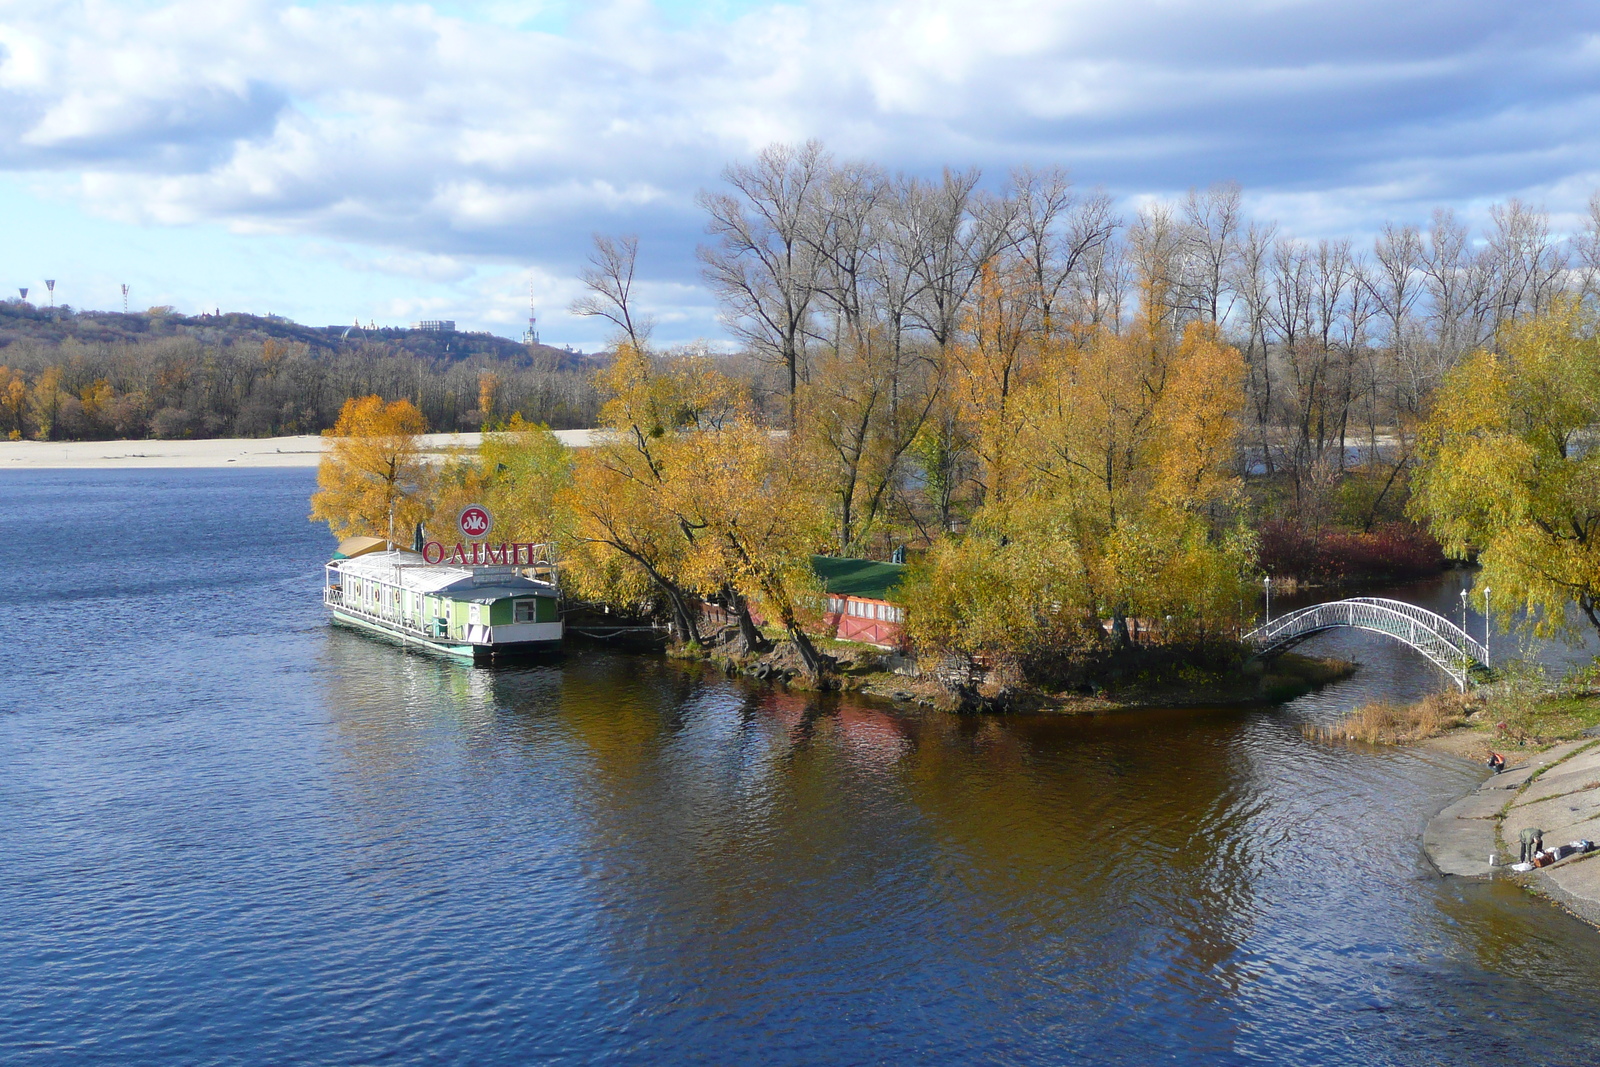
[1444, 643]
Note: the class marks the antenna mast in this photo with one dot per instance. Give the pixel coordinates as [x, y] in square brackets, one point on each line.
[531, 337]
[124, 298]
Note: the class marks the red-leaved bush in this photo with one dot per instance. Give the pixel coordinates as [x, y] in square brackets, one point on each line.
[1395, 552]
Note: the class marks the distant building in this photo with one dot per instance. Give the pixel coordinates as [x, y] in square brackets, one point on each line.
[435, 325]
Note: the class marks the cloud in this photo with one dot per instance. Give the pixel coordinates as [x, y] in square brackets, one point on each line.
[476, 133]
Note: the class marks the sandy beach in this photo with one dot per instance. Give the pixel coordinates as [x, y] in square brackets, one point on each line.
[302, 451]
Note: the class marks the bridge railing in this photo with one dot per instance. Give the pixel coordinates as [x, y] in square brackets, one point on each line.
[1441, 641]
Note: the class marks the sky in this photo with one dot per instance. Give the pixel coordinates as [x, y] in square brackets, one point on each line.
[390, 162]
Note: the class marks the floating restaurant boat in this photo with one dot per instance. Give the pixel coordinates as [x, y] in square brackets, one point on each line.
[483, 603]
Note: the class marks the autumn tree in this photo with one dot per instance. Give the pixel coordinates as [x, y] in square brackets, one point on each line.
[13, 402]
[854, 431]
[1509, 468]
[756, 524]
[626, 532]
[1123, 467]
[374, 478]
[526, 469]
[45, 402]
[1006, 331]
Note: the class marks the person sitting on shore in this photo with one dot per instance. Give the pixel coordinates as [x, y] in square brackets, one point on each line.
[1497, 762]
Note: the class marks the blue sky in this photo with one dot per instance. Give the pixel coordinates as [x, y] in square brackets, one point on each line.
[329, 161]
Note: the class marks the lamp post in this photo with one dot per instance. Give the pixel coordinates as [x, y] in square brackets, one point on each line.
[1486, 592]
[1267, 584]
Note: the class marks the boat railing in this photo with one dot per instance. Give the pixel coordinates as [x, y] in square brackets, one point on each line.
[334, 598]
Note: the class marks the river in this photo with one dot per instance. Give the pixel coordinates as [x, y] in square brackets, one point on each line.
[230, 833]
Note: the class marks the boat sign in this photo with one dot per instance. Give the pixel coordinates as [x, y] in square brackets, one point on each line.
[474, 521]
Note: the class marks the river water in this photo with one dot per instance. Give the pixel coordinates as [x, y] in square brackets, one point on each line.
[230, 833]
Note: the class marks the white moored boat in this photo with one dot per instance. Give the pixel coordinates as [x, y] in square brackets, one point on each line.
[481, 613]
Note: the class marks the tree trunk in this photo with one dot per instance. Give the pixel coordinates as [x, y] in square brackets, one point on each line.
[1120, 638]
[752, 636]
[810, 658]
[683, 623]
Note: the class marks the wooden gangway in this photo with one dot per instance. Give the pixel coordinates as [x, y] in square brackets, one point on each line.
[1445, 644]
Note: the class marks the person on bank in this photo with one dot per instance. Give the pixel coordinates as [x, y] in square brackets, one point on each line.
[1532, 841]
[1497, 762]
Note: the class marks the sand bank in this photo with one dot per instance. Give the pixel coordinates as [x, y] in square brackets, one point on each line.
[302, 451]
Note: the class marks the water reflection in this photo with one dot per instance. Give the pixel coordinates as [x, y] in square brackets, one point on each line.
[252, 837]
[751, 862]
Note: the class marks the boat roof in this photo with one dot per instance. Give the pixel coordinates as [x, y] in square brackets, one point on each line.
[407, 570]
[351, 547]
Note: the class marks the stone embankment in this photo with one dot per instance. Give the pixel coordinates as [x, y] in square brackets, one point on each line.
[1557, 791]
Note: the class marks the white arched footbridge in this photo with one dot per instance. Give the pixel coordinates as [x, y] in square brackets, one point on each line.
[1442, 641]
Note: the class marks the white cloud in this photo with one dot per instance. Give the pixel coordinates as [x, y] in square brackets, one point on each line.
[475, 138]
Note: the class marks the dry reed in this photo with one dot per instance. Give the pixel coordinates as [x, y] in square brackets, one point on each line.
[1385, 723]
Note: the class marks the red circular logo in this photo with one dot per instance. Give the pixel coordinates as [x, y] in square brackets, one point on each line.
[474, 521]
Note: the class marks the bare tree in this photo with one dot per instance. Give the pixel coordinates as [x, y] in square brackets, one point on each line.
[1586, 250]
[763, 268]
[1251, 268]
[609, 279]
[1155, 249]
[1056, 233]
[1211, 232]
[1529, 270]
[952, 230]
[1396, 283]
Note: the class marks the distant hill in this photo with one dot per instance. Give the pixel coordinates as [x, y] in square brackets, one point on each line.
[20, 323]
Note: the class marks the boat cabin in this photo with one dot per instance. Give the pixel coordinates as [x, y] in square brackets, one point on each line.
[477, 612]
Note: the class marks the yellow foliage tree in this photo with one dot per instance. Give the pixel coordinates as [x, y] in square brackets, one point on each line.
[13, 402]
[857, 417]
[374, 478]
[526, 469]
[757, 522]
[626, 535]
[991, 369]
[1510, 470]
[45, 402]
[1118, 485]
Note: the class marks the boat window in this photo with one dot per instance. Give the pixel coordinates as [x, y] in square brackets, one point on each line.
[526, 611]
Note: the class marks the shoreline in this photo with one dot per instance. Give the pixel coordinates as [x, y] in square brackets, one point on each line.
[304, 450]
[1556, 790]
[877, 674]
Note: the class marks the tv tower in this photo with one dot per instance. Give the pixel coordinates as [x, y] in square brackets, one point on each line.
[531, 336]
[124, 298]
[50, 284]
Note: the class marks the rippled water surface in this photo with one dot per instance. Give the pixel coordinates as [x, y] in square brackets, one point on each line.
[230, 833]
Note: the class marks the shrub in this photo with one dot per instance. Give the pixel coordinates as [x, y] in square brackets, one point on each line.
[1398, 551]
